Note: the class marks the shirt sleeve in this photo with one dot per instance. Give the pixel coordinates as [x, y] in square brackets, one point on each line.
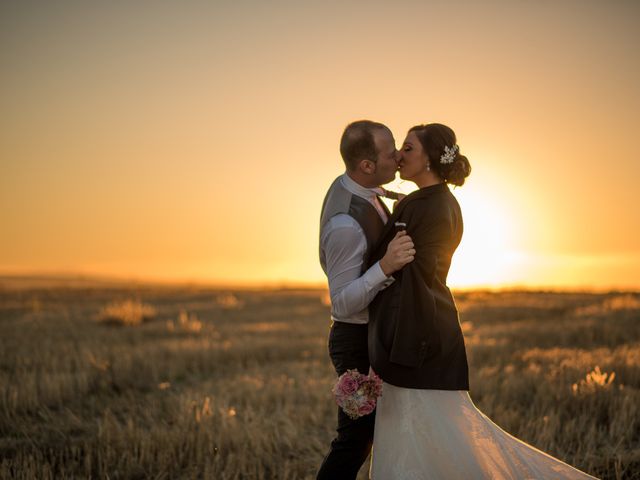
[344, 245]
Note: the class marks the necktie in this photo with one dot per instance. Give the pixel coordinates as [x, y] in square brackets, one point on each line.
[382, 192]
[390, 194]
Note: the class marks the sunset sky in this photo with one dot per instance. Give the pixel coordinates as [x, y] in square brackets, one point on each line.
[195, 140]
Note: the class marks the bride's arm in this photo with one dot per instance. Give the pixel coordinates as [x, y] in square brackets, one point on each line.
[416, 336]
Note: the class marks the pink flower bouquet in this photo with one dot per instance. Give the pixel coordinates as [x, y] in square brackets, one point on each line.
[357, 393]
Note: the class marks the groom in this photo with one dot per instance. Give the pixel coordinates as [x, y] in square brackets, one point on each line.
[351, 221]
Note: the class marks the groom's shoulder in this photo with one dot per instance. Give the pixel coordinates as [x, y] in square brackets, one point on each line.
[336, 182]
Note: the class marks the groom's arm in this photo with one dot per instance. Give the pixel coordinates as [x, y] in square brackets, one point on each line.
[345, 245]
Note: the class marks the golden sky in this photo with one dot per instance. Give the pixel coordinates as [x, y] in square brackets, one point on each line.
[195, 140]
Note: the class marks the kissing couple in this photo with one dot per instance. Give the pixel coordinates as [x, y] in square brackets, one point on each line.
[392, 311]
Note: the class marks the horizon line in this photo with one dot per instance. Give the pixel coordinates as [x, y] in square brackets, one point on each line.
[284, 284]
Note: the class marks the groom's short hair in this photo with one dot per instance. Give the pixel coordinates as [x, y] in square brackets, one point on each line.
[358, 143]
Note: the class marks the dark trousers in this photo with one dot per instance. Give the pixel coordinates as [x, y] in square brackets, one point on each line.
[349, 450]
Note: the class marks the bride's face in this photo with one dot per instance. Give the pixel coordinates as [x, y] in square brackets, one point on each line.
[414, 159]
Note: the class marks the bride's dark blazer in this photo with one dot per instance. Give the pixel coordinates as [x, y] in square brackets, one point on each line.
[415, 339]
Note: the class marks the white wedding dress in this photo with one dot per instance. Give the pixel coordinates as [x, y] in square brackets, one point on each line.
[441, 435]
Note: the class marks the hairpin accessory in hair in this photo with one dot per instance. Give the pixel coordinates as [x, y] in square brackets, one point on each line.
[449, 154]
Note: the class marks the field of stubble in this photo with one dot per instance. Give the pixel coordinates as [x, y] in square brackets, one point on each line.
[236, 385]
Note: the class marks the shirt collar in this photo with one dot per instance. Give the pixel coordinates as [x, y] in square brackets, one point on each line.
[357, 189]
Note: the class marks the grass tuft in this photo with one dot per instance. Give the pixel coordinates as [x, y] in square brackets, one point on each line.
[127, 313]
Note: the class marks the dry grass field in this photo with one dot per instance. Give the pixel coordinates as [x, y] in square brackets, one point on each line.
[150, 382]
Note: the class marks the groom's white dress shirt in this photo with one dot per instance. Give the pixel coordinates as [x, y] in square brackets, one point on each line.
[342, 248]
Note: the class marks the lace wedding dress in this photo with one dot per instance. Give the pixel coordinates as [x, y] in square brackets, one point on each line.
[440, 434]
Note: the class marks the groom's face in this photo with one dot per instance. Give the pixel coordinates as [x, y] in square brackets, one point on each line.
[388, 156]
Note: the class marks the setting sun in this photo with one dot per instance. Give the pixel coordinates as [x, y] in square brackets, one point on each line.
[484, 255]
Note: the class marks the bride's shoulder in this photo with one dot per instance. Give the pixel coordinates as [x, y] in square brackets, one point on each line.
[424, 211]
[418, 201]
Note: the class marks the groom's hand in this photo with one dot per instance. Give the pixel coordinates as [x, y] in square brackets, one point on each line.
[400, 251]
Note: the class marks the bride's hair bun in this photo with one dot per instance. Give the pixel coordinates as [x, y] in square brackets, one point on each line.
[458, 171]
[440, 144]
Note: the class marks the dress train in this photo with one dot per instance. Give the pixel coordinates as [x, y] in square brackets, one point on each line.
[440, 434]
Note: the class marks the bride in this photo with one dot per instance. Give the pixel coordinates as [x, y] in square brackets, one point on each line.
[426, 425]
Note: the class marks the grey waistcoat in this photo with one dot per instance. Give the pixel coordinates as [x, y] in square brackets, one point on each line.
[340, 200]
